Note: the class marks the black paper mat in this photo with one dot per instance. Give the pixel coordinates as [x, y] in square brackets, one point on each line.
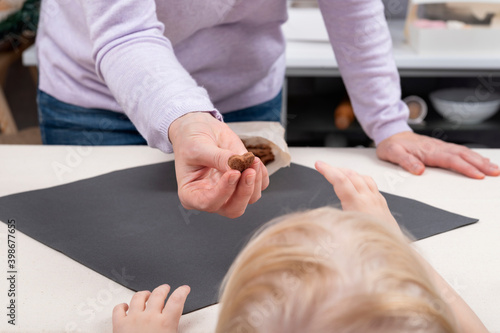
[129, 225]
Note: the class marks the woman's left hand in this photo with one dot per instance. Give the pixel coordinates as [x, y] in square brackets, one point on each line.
[413, 152]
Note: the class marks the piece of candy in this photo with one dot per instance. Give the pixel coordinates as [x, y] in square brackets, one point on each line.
[241, 162]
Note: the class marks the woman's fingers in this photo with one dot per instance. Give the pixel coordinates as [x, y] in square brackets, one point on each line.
[238, 202]
[209, 198]
[265, 177]
[257, 190]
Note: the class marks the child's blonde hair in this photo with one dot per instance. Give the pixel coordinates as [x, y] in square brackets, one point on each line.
[330, 271]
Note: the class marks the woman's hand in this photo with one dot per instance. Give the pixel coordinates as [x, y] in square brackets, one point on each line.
[413, 152]
[202, 147]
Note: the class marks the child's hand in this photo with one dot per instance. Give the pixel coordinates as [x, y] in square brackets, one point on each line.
[357, 192]
[155, 316]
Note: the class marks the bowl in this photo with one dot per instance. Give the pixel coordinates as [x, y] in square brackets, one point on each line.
[465, 105]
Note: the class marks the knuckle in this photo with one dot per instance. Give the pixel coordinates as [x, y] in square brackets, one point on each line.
[343, 179]
[255, 198]
[455, 160]
[448, 160]
[390, 148]
[219, 158]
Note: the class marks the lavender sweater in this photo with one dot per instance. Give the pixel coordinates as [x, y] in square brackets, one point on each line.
[156, 60]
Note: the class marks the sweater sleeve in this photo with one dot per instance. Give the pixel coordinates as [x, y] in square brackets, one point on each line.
[362, 44]
[138, 64]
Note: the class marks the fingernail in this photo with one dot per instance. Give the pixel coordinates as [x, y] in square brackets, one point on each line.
[416, 168]
[233, 179]
[478, 175]
[493, 166]
[250, 179]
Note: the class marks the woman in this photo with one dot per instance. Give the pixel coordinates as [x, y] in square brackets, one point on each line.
[165, 72]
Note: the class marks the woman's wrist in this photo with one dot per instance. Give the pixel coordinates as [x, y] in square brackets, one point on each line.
[179, 124]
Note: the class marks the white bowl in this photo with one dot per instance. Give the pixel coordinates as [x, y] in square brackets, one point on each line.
[465, 105]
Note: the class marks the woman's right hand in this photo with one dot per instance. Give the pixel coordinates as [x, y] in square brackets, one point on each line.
[202, 147]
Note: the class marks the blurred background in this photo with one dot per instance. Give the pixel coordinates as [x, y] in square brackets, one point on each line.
[318, 112]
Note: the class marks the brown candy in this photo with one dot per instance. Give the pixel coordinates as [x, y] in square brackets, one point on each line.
[241, 162]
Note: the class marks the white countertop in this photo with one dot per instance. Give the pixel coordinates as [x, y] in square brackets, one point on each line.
[57, 294]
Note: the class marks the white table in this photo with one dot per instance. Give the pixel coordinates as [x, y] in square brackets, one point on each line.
[57, 294]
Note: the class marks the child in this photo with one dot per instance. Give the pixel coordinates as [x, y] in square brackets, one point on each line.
[322, 270]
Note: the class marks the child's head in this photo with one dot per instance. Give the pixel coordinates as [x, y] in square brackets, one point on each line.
[330, 271]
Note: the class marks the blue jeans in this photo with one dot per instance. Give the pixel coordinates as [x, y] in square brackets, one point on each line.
[267, 111]
[67, 124]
